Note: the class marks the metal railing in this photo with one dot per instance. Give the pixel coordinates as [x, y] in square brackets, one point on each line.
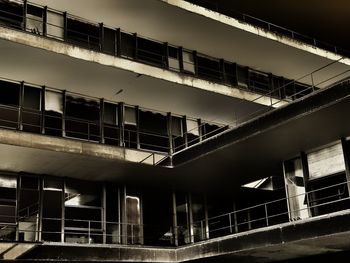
[96, 41]
[317, 202]
[276, 102]
[215, 6]
[81, 231]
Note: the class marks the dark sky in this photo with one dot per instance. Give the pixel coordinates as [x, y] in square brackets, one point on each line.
[327, 20]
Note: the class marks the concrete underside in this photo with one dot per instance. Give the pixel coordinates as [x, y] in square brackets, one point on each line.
[264, 142]
[183, 24]
[45, 61]
[258, 148]
[320, 235]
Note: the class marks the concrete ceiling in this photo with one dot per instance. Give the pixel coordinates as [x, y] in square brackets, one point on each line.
[159, 20]
[20, 62]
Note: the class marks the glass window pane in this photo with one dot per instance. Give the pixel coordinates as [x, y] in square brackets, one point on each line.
[192, 127]
[110, 113]
[327, 161]
[55, 25]
[53, 101]
[130, 115]
[31, 98]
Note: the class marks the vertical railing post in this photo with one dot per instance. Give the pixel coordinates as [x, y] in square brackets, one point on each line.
[64, 113]
[42, 109]
[89, 232]
[266, 215]
[101, 37]
[102, 109]
[230, 221]
[20, 113]
[25, 15]
[45, 21]
[175, 228]
[65, 26]
[118, 42]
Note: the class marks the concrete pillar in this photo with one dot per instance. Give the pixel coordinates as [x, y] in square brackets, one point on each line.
[295, 189]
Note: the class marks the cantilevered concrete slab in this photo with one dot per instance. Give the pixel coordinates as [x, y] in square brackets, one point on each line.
[256, 149]
[314, 236]
[63, 66]
[184, 24]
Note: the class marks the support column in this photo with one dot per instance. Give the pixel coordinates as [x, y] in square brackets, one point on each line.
[121, 124]
[206, 218]
[175, 227]
[104, 215]
[309, 196]
[64, 113]
[346, 152]
[42, 109]
[190, 218]
[118, 42]
[101, 124]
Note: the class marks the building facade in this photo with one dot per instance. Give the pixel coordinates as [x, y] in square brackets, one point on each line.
[164, 131]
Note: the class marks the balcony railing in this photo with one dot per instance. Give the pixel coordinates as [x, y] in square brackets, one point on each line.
[116, 42]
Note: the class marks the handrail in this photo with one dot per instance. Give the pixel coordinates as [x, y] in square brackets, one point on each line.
[215, 6]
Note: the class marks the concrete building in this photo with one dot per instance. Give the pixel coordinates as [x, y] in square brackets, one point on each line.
[164, 131]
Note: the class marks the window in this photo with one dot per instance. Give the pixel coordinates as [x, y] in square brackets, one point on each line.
[111, 123]
[130, 127]
[177, 133]
[8, 186]
[153, 131]
[9, 102]
[242, 76]
[83, 34]
[31, 114]
[192, 131]
[173, 58]
[109, 37]
[55, 25]
[128, 43]
[326, 161]
[209, 68]
[188, 62]
[11, 14]
[53, 113]
[82, 118]
[150, 51]
[34, 19]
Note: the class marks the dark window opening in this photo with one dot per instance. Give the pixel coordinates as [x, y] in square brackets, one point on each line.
[302, 90]
[128, 45]
[209, 130]
[9, 100]
[52, 209]
[153, 131]
[130, 127]
[11, 14]
[83, 34]
[109, 37]
[259, 82]
[83, 212]
[53, 113]
[230, 73]
[82, 118]
[113, 227]
[111, 124]
[327, 194]
[242, 76]
[150, 52]
[31, 114]
[8, 197]
[192, 132]
[177, 133]
[209, 69]
[173, 58]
